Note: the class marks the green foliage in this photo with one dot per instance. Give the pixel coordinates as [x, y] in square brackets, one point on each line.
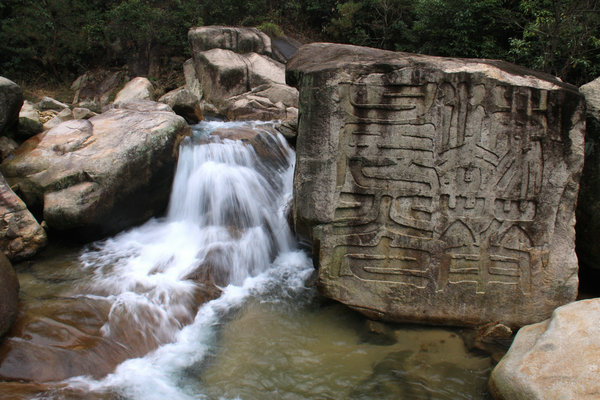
[561, 37]
[271, 29]
[67, 36]
[461, 28]
[46, 35]
[380, 23]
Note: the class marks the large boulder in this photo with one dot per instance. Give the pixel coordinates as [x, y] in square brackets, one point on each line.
[223, 73]
[555, 359]
[588, 207]
[237, 39]
[237, 76]
[96, 177]
[139, 88]
[20, 234]
[9, 294]
[11, 100]
[437, 190]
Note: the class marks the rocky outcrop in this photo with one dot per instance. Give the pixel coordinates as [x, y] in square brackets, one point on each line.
[555, 359]
[11, 100]
[94, 89]
[96, 177]
[139, 88]
[238, 77]
[223, 73]
[588, 206]
[20, 234]
[48, 103]
[237, 39]
[437, 190]
[184, 103]
[265, 102]
[29, 121]
[9, 295]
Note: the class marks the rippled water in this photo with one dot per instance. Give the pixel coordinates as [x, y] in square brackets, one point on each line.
[268, 335]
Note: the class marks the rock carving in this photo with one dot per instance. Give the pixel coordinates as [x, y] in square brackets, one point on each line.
[450, 190]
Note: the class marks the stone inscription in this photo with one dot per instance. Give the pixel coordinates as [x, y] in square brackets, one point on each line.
[439, 184]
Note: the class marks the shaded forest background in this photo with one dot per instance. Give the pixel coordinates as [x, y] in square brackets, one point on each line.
[59, 39]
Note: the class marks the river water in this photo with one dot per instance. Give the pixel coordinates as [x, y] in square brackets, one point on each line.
[217, 301]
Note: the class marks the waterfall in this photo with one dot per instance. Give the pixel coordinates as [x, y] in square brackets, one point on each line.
[225, 232]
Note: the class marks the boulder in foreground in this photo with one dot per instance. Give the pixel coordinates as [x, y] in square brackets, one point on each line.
[437, 190]
[555, 359]
[96, 177]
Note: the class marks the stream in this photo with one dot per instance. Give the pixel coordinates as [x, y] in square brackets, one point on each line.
[216, 300]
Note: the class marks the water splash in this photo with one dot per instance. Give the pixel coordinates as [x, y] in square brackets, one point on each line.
[161, 374]
[226, 223]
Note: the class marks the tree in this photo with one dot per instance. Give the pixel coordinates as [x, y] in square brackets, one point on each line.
[561, 37]
[462, 28]
[47, 35]
[380, 23]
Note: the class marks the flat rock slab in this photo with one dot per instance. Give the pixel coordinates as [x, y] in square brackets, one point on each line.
[555, 359]
[98, 176]
[437, 190]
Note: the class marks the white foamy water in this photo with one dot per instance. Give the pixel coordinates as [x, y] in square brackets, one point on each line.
[226, 224]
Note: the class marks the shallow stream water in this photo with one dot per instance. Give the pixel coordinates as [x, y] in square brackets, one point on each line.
[262, 332]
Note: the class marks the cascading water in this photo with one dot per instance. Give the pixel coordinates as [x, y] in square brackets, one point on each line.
[226, 226]
[210, 302]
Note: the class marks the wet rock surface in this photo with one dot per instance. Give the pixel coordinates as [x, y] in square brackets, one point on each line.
[437, 190]
[62, 330]
[263, 140]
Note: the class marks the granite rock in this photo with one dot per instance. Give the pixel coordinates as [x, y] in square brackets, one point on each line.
[437, 190]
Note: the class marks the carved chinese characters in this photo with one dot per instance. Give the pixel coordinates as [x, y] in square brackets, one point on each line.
[441, 190]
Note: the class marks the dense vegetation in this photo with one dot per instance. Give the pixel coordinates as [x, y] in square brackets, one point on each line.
[61, 38]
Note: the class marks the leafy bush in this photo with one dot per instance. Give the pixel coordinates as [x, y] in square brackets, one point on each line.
[271, 29]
